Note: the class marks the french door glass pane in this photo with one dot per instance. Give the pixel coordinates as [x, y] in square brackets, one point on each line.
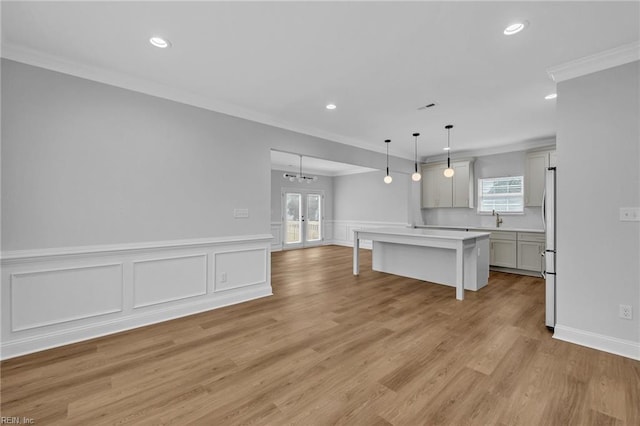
[313, 231]
[293, 217]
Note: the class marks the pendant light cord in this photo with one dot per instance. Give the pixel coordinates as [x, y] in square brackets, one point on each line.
[448, 127]
[416, 152]
[387, 143]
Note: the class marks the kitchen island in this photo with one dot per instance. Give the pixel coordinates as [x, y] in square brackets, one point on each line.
[456, 258]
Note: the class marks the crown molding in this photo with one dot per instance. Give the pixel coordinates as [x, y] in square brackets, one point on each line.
[593, 63]
[54, 63]
[529, 145]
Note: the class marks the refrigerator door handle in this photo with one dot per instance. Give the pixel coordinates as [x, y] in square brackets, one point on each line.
[543, 273]
[544, 209]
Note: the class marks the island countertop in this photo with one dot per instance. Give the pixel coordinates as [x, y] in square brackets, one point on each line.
[450, 257]
[449, 234]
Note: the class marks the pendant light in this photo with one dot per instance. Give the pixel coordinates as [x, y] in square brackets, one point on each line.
[388, 179]
[300, 177]
[449, 172]
[416, 176]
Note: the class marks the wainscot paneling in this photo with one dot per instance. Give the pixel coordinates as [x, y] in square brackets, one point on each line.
[231, 273]
[276, 232]
[55, 297]
[52, 296]
[342, 231]
[168, 279]
[339, 232]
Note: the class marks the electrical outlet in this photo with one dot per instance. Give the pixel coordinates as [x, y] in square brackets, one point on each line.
[626, 312]
[629, 214]
[223, 278]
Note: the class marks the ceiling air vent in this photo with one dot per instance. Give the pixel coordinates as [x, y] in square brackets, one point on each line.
[431, 105]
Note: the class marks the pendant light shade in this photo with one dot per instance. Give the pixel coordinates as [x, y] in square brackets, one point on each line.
[449, 172]
[388, 179]
[416, 176]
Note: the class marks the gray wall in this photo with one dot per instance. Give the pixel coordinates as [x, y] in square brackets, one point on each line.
[365, 197]
[489, 166]
[84, 163]
[598, 146]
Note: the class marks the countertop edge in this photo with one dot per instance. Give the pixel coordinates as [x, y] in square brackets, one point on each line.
[405, 232]
[481, 229]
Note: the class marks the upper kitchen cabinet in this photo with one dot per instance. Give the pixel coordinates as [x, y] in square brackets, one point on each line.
[440, 191]
[535, 171]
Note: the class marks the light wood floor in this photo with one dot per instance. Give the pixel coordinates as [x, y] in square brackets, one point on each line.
[331, 348]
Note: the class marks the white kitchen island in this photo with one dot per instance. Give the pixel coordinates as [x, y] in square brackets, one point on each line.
[456, 258]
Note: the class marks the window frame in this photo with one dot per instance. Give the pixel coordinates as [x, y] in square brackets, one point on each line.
[480, 197]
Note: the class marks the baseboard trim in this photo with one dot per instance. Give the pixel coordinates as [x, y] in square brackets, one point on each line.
[515, 271]
[601, 342]
[367, 245]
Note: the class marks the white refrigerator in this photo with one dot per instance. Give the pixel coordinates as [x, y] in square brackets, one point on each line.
[549, 214]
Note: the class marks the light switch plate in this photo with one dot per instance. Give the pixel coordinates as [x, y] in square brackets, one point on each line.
[630, 214]
[240, 213]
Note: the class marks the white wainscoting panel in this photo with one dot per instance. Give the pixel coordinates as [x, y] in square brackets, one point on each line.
[342, 231]
[327, 234]
[240, 268]
[168, 279]
[51, 296]
[276, 231]
[54, 297]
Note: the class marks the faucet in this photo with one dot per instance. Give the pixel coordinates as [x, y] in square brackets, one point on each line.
[498, 218]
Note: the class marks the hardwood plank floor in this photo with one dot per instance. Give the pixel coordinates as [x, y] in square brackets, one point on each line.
[331, 348]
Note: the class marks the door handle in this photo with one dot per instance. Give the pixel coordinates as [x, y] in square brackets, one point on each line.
[543, 273]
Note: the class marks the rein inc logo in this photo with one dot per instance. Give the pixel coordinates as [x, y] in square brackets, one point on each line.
[6, 420]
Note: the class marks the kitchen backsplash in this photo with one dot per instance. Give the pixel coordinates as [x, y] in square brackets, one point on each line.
[531, 219]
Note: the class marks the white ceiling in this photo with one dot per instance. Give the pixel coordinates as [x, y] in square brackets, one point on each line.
[281, 63]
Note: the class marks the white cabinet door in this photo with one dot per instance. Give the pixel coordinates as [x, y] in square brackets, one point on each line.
[445, 188]
[461, 184]
[440, 191]
[436, 188]
[429, 187]
[503, 253]
[529, 257]
[535, 172]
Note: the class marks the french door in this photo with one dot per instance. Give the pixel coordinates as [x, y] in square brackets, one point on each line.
[302, 213]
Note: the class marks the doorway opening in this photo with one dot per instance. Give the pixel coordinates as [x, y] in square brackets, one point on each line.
[302, 218]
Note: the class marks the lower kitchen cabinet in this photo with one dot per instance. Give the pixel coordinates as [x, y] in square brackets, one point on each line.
[530, 247]
[503, 249]
[517, 250]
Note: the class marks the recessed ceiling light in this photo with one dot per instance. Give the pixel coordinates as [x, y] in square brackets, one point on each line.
[446, 148]
[159, 42]
[551, 96]
[331, 106]
[515, 28]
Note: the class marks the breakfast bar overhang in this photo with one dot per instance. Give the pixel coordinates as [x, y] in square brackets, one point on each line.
[454, 258]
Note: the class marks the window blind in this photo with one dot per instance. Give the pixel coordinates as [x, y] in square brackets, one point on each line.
[502, 194]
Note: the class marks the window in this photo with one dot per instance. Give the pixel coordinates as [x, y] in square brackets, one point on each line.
[503, 194]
